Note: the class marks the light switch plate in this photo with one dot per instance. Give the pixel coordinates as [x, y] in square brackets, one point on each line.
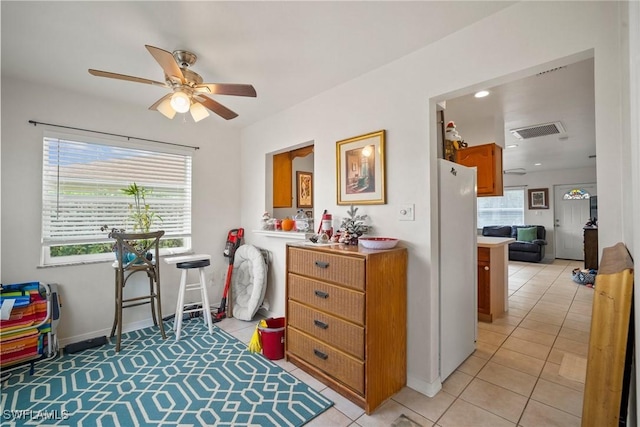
[406, 212]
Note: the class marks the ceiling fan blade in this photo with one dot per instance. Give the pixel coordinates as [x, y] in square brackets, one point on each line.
[167, 62]
[228, 89]
[216, 107]
[163, 105]
[99, 73]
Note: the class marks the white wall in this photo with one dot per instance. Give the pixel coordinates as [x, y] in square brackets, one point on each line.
[548, 179]
[397, 97]
[87, 290]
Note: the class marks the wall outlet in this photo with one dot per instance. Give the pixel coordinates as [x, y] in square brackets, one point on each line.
[406, 212]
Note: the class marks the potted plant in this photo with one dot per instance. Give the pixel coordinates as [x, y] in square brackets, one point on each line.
[140, 214]
[353, 226]
[139, 211]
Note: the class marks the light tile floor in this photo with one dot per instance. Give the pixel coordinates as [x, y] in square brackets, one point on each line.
[525, 370]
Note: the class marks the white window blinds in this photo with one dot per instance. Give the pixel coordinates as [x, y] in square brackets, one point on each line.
[502, 210]
[81, 190]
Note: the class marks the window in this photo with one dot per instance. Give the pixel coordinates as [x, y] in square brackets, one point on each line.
[81, 191]
[504, 210]
[576, 194]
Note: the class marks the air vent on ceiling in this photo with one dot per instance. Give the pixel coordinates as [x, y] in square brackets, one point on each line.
[538, 130]
[516, 171]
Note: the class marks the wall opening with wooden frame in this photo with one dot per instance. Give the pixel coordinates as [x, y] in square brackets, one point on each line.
[282, 171]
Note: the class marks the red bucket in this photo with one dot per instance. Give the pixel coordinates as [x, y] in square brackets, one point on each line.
[272, 338]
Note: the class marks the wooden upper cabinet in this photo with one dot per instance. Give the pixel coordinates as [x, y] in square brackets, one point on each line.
[487, 158]
[282, 167]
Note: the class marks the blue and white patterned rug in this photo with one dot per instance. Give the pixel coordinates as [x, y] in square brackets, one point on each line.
[201, 380]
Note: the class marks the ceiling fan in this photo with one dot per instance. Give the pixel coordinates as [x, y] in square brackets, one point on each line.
[188, 92]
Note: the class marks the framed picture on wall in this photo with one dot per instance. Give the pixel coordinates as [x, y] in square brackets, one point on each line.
[304, 184]
[539, 198]
[360, 170]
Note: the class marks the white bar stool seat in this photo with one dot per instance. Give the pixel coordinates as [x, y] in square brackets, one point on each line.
[186, 263]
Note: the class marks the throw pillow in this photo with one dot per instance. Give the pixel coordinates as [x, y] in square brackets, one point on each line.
[527, 234]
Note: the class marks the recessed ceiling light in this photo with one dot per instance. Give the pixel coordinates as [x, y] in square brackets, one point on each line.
[481, 94]
[537, 164]
[512, 145]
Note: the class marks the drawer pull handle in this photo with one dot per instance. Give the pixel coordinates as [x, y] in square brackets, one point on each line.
[322, 294]
[320, 324]
[320, 354]
[322, 264]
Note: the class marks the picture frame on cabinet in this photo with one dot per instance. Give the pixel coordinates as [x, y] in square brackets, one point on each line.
[304, 193]
[360, 169]
[539, 198]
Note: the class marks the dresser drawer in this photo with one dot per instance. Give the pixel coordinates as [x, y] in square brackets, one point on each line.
[335, 363]
[341, 302]
[339, 333]
[342, 270]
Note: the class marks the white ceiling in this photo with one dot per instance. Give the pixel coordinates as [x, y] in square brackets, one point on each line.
[290, 51]
[564, 94]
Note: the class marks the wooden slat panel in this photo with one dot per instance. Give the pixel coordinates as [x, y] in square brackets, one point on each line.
[610, 319]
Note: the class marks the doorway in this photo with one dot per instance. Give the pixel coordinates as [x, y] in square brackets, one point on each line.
[570, 217]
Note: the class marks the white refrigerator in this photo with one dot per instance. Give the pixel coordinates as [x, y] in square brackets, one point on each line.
[458, 264]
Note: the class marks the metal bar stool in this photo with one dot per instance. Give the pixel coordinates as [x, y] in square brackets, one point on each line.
[132, 251]
[186, 263]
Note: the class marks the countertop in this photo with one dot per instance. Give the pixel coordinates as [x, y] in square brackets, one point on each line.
[490, 242]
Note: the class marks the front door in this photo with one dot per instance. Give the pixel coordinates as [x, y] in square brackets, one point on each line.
[571, 215]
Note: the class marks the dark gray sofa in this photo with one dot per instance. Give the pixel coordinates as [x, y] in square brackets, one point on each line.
[520, 251]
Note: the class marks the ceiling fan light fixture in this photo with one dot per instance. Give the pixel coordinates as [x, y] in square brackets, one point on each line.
[198, 112]
[180, 102]
[165, 108]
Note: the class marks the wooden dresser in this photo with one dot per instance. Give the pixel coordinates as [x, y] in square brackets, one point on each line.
[347, 318]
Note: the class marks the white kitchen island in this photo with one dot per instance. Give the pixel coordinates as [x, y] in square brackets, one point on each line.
[493, 277]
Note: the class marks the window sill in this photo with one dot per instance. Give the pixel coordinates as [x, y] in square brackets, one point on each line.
[163, 254]
[290, 235]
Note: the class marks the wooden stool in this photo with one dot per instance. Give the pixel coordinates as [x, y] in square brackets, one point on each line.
[187, 263]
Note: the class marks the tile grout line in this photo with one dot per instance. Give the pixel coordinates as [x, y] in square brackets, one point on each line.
[529, 399]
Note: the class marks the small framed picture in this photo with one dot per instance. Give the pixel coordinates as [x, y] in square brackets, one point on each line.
[539, 198]
[304, 182]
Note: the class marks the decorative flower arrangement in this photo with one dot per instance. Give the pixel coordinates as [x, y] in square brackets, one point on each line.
[353, 226]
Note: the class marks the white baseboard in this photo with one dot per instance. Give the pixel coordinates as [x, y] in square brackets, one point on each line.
[428, 389]
[125, 328]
